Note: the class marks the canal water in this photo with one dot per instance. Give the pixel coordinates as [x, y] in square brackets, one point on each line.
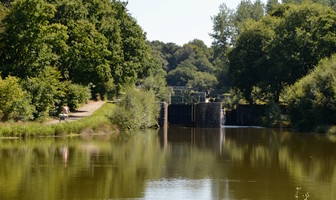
[176, 163]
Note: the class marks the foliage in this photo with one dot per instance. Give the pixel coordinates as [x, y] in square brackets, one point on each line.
[232, 98]
[14, 101]
[98, 121]
[75, 95]
[223, 30]
[51, 45]
[312, 100]
[137, 109]
[89, 52]
[45, 91]
[30, 41]
[270, 5]
[274, 116]
[281, 48]
[157, 83]
[136, 53]
[189, 65]
[245, 59]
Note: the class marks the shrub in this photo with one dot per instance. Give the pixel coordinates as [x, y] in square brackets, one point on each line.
[45, 92]
[75, 95]
[14, 101]
[99, 121]
[312, 100]
[137, 109]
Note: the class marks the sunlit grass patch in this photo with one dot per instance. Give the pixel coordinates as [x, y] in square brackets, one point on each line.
[98, 121]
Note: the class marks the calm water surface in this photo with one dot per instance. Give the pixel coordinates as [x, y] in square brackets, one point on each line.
[178, 163]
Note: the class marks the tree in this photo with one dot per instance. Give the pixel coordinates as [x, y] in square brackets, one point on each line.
[281, 48]
[246, 60]
[30, 41]
[304, 35]
[88, 55]
[203, 81]
[312, 99]
[271, 5]
[14, 101]
[136, 53]
[182, 74]
[223, 30]
[46, 92]
[6, 3]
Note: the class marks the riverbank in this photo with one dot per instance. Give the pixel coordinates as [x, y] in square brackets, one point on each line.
[98, 122]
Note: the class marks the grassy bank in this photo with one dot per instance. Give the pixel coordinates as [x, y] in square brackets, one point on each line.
[98, 122]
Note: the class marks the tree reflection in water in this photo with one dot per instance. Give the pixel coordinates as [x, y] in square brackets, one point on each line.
[229, 163]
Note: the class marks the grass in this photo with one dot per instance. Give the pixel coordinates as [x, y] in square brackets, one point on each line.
[98, 122]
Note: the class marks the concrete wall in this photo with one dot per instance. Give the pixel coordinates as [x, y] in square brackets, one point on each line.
[207, 115]
[163, 118]
[181, 115]
[246, 115]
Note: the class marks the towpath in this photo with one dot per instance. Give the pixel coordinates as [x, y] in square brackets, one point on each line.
[84, 111]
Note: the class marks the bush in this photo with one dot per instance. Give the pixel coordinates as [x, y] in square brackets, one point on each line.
[75, 95]
[137, 109]
[273, 116]
[49, 93]
[312, 100]
[98, 121]
[14, 101]
[45, 92]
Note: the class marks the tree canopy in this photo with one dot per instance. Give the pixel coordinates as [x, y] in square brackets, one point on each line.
[276, 50]
[49, 45]
[189, 65]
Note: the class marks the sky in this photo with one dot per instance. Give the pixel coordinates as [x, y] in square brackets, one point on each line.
[177, 21]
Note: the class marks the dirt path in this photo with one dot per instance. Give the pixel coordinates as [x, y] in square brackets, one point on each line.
[84, 111]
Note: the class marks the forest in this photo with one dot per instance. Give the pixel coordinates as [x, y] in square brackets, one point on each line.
[66, 51]
[69, 51]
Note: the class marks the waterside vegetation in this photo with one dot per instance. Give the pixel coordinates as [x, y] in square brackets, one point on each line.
[98, 122]
[278, 54]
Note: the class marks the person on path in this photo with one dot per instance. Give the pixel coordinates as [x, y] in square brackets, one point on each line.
[65, 113]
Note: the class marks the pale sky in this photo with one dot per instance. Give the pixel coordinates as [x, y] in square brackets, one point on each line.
[178, 21]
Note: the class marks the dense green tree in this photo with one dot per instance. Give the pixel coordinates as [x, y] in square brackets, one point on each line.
[227, 25]
[169, 51]
[303, 36]
[312, 100]
[6, 3]
[57, 44]
[69, 10]
[3, 12]
[249, 10]
[136, 53]
[281, 48]
[46, 92]
[30, 42]
[182, 74]
[271, 5]
[189, 65]
[88, 54]
[223, 36]
[14, 101]
[246, 58]
[158, 55]
[223, 30]
[203, 81]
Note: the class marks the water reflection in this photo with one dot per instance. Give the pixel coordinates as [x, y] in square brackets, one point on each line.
[173, 163]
